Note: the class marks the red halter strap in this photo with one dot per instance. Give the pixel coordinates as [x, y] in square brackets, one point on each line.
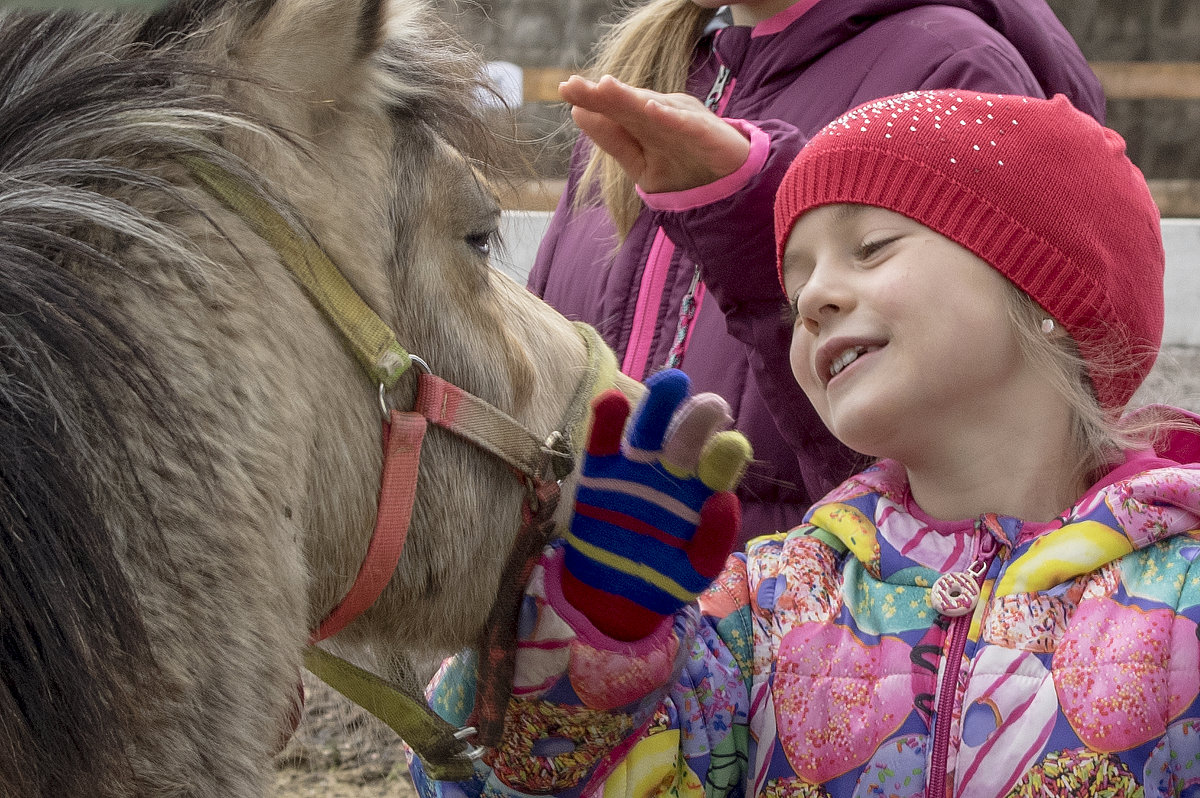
[466, 415]
[402, 437]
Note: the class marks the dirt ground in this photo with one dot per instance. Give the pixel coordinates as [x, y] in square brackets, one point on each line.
[340, 751]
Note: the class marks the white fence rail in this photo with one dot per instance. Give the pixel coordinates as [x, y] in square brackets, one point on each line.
[522, 230]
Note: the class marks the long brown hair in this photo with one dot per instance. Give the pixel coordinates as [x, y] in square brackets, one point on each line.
[650, 47]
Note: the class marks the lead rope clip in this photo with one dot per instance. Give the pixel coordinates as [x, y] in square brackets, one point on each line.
[473, 752]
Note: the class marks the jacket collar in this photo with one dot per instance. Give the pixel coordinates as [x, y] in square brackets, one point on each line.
[786, 42]
[1152, 496]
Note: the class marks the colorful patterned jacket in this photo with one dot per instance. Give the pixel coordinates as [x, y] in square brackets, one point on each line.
[816, 665]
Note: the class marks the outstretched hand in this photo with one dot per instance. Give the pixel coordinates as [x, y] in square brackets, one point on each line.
[655, 516]
[665, 142]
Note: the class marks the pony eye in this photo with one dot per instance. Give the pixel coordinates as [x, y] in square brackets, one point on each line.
[481, 242]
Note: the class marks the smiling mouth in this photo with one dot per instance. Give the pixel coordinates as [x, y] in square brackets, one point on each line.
[846, 358]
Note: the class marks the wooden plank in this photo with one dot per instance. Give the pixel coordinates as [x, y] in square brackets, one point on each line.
[540, 84]
[1149, 80]
[532, 195]
[1177, 197]
[1123, 80]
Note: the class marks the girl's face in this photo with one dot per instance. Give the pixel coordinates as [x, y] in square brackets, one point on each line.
[902, 337]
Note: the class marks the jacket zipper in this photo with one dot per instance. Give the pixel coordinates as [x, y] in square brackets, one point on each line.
[959, 627]
[690, 305]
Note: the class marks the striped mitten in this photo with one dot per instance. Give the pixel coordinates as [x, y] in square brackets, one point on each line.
[655, 516]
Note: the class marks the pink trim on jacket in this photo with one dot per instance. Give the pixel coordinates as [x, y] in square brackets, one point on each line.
[645, 314]
[721, 188]
[784, 18]
[724, 101]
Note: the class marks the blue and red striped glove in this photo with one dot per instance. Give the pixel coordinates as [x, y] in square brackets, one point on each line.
[655, 516]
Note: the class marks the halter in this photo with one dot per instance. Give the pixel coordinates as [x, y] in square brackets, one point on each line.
[540, 463]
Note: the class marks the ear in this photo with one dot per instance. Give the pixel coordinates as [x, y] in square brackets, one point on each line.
[314, 47]
[311, 47]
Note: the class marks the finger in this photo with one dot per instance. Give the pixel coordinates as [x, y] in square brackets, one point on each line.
[723, 460]
[606, 94]
[641, 112]
[609, 412]
[665, 391]
[720, 522]
[612, 138]
[611, 96]
[575, 89]
[695, 422]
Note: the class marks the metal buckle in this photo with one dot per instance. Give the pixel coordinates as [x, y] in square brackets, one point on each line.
[473, 752]
[562, 461]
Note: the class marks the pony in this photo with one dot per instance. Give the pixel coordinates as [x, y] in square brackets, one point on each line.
[191, 452]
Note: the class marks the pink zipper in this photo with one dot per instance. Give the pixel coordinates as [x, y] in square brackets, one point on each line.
[959, 628]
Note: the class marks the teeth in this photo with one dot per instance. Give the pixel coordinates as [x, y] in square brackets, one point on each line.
[845, 359]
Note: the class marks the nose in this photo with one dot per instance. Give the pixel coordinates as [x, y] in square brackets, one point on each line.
[825, 295]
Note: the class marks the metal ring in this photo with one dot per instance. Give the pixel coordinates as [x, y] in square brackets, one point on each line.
[562, 461]
[416, 361]
[475, 753]
[419, 363]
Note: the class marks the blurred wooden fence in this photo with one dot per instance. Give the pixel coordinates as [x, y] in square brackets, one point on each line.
[1122, 80]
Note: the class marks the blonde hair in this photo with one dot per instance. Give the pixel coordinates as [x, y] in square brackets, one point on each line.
[651, 47]
[1101, 436]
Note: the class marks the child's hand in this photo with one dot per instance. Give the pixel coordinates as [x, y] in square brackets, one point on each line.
[655, 517]
[665, 142]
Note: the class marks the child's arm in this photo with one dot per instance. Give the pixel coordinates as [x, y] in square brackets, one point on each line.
[589, 708]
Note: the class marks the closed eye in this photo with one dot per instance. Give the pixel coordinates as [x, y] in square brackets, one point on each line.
[869, 248]
[792, 310]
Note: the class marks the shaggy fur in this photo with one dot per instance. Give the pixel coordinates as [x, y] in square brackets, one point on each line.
[190, 454]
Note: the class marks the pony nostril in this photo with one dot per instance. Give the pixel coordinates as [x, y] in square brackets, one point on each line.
[552, 746]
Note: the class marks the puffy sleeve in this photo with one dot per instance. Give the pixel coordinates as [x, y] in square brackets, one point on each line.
[729, 230]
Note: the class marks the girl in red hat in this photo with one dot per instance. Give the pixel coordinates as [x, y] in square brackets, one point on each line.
[1005, 604]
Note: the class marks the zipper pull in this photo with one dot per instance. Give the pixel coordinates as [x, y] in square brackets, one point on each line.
[957, 592]
[718, 88]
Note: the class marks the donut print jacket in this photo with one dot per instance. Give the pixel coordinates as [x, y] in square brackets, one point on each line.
[817, 665]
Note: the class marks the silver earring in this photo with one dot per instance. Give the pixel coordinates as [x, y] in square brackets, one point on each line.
[1047, 326]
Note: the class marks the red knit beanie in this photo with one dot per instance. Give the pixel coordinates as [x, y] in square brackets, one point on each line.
[1039, 190]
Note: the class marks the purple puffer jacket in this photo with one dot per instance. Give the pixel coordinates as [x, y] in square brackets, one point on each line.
[790, 75]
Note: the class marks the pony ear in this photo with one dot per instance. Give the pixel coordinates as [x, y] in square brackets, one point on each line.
[314, 47]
